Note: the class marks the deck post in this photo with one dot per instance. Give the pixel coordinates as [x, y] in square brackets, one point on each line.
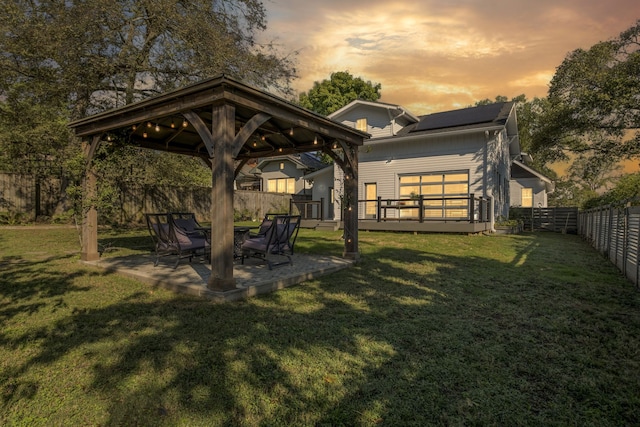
[472, 201]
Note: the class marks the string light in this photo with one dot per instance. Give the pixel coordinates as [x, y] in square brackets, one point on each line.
[157, 127]
[315, 140]
[144, 134]
[173, 125]
[291, 132]
[134, 127]
[149, 124]
[185, 123]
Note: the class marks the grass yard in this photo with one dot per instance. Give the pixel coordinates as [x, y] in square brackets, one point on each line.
[534, 329]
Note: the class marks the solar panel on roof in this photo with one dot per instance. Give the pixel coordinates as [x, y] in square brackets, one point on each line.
[464, 117]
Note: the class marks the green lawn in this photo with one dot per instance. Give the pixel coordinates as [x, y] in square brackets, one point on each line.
[535, 329]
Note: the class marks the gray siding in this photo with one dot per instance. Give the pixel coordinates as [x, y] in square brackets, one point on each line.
[378, 120]
[322, 184]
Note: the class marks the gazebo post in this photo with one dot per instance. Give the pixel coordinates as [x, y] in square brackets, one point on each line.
[350, 213]
[223, 172]
[89, 251]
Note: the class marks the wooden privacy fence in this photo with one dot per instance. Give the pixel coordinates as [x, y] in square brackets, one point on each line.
[27, 196]
[559, 220]
[24, 198]
[614, 231]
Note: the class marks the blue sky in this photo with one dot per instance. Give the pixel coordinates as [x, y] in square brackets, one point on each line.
[436, 55]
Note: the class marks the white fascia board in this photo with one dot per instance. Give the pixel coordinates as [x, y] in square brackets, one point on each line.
[376, 141]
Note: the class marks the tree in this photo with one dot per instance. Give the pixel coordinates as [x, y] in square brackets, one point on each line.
[593, 101]
[339, 90]
[63, 60]
[626, 188]
[98, 54]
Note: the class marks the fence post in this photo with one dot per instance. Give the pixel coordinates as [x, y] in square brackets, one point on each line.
[379, 209]
[421, 207]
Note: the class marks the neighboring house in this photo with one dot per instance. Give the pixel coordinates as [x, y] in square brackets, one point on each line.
[529, 188]
[285, 174]
[449, 155]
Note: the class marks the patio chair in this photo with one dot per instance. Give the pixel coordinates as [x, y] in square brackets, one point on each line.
[171, 239]
[266, 223]
[279, 239]
[187, 221]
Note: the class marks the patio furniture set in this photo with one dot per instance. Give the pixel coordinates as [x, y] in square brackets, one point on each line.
[180, 234]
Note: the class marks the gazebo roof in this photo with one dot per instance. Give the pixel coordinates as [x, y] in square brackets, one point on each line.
[226, 123]
[157, 123]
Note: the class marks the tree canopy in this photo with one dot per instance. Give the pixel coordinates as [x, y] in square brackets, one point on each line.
[98, 54]
[64, 60]
[340, 89]
[593, 101]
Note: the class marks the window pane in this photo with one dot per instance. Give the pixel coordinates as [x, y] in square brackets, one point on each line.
[527, 197]
[432, 189]
[456, 213]
[361, 124]
[291, 185]
[431, 178]
[371, 193]
[409, 179]
[405, 191]
[456, 188]
[457, 202]
[272, 185]
[456, 177]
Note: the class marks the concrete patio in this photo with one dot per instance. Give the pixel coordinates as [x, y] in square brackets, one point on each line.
[253, 278]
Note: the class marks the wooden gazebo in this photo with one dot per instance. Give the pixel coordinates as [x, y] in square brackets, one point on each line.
[225, 123]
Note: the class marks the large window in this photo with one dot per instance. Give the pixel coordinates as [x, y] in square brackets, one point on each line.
[445, 194]
[282, 185]
[527, 197]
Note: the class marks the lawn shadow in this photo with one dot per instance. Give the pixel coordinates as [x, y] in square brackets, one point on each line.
[406, 336]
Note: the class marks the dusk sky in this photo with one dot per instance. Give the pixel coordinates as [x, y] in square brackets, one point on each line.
[438, 55]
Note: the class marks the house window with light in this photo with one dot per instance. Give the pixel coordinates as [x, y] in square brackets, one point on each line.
[527, 197]
[282, 185]
[361, 124]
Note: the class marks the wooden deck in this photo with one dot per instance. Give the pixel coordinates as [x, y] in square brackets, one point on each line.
[464, 227]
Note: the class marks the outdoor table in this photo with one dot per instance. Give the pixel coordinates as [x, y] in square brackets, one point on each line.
[240, 234]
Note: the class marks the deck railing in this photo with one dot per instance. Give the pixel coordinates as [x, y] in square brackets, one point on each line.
[615, 232]
[464, 208]
[308, 209]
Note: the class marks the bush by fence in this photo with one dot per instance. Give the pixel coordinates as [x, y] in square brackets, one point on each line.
[614, 231]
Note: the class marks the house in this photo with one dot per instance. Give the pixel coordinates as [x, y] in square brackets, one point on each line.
[282, 174]
[528, 187]
[450, 164]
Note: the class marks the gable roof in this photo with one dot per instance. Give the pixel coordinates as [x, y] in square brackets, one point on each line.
[305, 161]
[394, 109]
[482, 116]
[520, 170]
